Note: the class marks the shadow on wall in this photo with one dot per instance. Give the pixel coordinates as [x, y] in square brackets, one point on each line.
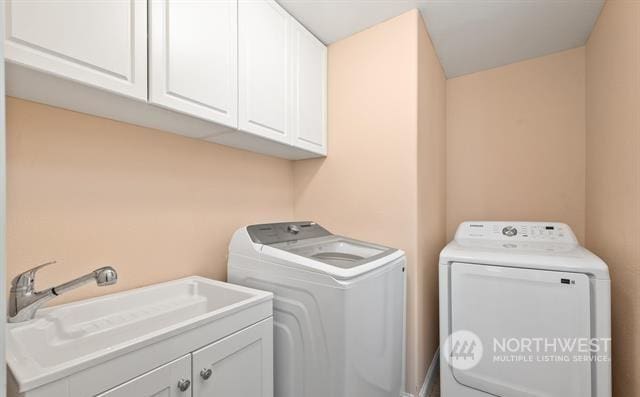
[156, 206]
[305, 172]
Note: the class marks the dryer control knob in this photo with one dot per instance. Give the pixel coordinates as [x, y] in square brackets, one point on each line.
[509, 231]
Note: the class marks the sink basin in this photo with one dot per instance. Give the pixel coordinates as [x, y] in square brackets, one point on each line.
[63, 338]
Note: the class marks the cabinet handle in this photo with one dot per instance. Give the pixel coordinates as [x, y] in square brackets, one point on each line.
[183, 384]
[205, 373]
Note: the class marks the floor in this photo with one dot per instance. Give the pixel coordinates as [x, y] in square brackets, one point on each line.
[435, 392]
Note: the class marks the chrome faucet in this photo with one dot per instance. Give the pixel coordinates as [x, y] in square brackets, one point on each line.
[24, 300]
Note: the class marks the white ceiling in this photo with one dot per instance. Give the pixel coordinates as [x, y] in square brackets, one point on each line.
[469, 35]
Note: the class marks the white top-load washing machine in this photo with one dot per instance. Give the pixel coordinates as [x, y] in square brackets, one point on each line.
[524, 311]
[338, 308]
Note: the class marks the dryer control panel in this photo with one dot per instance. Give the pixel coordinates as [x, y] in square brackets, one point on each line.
[517, 231]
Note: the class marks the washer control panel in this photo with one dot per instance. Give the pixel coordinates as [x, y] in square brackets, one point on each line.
[517, 231]
[273, 233]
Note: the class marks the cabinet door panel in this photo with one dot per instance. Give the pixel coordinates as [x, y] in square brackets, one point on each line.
[100, 42]
[309, 91]
[241, 365]
[161, 382]
[264, 65]
[194, 58]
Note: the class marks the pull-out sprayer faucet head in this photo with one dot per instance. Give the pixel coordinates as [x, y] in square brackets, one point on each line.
[24, 300]
[106, 276]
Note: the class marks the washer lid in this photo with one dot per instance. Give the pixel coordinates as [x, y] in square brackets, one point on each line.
[337, 261]
[312, 247]
[337, 251]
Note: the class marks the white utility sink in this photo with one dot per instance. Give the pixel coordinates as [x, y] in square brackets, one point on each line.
[64, 339]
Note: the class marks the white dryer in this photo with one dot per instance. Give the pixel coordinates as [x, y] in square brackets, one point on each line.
[531, 298]
[338, 308]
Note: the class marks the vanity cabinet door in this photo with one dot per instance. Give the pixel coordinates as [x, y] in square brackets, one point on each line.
[264, 69]
[170, 380]
[240, 365]
[101, 43]
[193, 58]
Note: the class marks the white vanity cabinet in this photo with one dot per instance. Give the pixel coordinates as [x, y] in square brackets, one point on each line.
[192, 337]
[99, 43]
[170, 380]
[239, 365]
[193, 63]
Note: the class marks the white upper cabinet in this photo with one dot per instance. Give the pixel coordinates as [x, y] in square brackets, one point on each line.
[264, 69]
[309, 86]
[242, 73]
[102, 43]
[193, 66]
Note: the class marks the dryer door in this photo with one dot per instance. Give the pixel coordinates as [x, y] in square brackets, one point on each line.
[530, 323]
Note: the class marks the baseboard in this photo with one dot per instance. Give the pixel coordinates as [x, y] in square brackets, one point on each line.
[432, 374]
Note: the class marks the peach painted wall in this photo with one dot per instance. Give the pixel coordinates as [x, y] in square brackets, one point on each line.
[613, 176]
[516, 142]
[432, 119]
[88, 192]
[368, 186]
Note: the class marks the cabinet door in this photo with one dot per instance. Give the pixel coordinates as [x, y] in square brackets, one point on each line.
[264, 67]
[309, 83]
[193, 61]
[170, 380]
[100, 42]
[240, 365]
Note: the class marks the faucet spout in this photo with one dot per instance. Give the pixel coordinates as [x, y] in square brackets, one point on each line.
[103, 277]
[24, 300]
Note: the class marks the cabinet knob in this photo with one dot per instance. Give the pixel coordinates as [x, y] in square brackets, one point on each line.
[183, 384]
[205, 373]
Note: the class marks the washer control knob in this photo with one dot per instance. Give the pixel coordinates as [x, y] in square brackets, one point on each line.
[293, 229]
[509, 231]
